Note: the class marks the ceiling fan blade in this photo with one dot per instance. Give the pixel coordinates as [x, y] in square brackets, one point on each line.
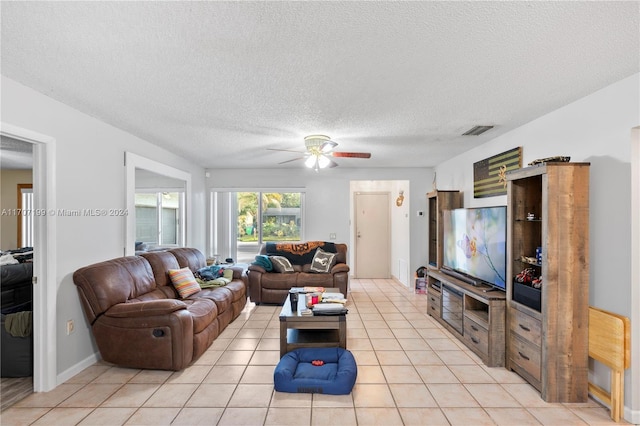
[326, 147]
[351, 154]
[293, 159]
[332, 164]
[285, 150]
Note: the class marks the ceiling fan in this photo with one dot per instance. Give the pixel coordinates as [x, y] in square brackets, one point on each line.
[319, 149]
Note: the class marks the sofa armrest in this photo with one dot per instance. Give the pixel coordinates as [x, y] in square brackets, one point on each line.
[145, 309]
[340, 267]
[238, 272]
[257, 268]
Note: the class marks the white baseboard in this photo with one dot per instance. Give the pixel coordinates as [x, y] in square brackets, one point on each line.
[632, 416]
[72, 371]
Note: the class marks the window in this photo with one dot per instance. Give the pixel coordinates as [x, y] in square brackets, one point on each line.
[241, 221]
[159, 218]
[277, 217]
[25, 223]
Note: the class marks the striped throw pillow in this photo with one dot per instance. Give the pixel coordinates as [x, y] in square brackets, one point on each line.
[184, 282]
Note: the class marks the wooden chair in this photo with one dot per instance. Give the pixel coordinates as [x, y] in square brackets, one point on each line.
[610, 344]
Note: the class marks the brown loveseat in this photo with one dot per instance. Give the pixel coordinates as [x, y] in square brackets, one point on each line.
[273, 287]
[139, 320]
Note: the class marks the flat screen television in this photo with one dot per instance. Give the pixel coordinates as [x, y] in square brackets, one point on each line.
[475, 245]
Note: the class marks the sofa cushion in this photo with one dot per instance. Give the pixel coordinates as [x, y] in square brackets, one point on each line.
[189, 257]
[203, 312]
[184, 281]
[279, 281]
[222, 296]
[322, 261]
[281, 264]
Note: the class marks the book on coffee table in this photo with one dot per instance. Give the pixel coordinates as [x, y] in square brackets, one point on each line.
[329, 309]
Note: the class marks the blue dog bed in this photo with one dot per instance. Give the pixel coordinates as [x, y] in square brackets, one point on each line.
[295, 373]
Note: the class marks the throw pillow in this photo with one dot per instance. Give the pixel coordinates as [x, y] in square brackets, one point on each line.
[322, 261]
[228, 274]
[281, 264]
[184, 282]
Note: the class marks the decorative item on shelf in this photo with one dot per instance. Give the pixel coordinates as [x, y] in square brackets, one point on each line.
[539, 255]
[525, 276]
[537, 283]
[400, 199]
[531, 216]
[556, 159]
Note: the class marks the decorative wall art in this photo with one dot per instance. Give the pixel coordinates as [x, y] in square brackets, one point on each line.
[490, 174]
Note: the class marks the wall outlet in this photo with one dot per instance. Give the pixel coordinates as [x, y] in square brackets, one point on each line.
[332, 236]
[70, 327]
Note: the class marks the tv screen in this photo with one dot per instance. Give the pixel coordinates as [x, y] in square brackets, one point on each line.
[475, 243]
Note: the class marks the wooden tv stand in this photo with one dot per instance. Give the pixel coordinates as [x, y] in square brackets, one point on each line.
[474, 314]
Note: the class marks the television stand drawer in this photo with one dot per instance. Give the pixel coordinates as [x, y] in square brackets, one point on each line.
[433, 303]
[525, 326]
[526, 356]
[476, 336]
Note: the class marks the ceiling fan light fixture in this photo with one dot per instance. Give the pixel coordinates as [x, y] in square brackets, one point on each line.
[323, 161]
[311, 161]
[317, 162]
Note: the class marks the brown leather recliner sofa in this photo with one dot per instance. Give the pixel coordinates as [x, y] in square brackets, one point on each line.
[273, 287]
[138, 318]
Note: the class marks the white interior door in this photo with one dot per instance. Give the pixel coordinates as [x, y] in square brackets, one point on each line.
[373, 240]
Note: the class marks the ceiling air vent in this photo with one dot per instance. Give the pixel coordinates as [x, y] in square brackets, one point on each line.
[477, 130]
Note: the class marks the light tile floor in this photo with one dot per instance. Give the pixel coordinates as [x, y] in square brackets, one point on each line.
[410, 371]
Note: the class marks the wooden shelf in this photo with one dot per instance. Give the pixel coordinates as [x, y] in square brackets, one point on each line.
[547, 333]
[437, 202]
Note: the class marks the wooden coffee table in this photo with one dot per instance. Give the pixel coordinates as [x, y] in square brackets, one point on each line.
[319, 331]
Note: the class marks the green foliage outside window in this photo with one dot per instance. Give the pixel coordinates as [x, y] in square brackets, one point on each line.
[280, 216]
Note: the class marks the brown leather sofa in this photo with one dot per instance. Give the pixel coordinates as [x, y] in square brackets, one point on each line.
[138, 319]
[273, 287]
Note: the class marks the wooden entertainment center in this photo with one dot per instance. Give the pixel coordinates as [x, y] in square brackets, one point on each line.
[474, 314]
[540, 333]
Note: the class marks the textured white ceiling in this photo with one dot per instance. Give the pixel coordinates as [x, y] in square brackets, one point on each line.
[15, 154]
[220, 82]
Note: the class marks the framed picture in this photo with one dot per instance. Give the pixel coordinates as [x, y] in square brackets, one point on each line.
[490, 174]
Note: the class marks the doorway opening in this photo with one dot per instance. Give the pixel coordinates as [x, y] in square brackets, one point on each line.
[43, 303]
[396, 253]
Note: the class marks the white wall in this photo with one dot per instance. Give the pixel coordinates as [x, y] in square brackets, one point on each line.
[594, 129]
[90, 174]
[329, 197]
